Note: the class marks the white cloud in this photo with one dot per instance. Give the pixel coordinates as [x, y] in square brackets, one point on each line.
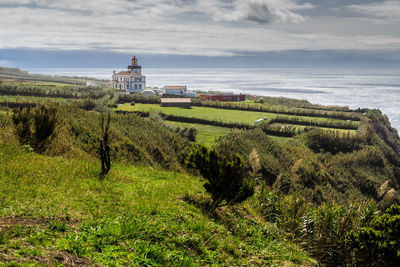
[388, 10]
[260, 11]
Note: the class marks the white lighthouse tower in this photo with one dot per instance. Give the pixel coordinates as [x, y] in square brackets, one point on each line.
[131, 81]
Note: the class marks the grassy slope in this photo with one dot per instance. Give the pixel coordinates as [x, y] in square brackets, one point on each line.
[57, 210]
[20, 75]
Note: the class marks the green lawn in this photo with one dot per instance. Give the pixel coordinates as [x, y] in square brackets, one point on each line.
[55, 210]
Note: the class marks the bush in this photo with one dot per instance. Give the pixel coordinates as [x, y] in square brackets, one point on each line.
[321, 230]
[226, 179]
[189, 133]
[378, 244]
[330, 141]
[36, 126]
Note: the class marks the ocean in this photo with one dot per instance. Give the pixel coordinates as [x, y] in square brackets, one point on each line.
[364, 88]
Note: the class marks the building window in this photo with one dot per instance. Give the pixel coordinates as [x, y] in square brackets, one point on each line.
[140, 86]
[135, 86]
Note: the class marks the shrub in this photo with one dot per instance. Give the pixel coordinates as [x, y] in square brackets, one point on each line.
[35, 126]
[321, 230]
[189, 133]
[272, 157]
[226, 179]
[330, 141]
[378, 244]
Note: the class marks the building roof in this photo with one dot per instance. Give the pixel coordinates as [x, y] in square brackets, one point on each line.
[176, 100]
[123, 73]
[138, 75]
[175, 87]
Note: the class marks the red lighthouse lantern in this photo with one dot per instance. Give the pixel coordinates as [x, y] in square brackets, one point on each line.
[134, 60]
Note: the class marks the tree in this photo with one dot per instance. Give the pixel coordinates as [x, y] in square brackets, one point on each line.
[105, 145]
[226, 180]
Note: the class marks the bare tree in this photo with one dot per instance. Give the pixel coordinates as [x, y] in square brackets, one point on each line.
[105, 145]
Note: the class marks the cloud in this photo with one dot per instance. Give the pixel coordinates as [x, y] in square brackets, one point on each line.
[260, 11]
[185, 27]
[388, 10]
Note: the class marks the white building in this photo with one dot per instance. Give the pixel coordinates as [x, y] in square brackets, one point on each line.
[178, 91]
[175, 90]
[131, 81]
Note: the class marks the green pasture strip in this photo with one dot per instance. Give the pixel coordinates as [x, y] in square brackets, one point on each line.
[206, 134]
[214, 114]
[43, 84]
[294, 103]
[320, 122]
[56, 208]
[295, 126]
[30, 99]
[217, 114]
[280, 109]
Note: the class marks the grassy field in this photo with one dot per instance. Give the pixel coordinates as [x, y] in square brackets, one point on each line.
[58, 211]
[208, 134]
[224, 115]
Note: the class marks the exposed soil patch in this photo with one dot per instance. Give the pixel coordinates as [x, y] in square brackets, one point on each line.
[67, 259]
[59, 257]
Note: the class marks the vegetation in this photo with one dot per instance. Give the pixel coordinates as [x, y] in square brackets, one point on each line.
[241, 119]
[64, 91]
[321, 196]
[56, 211]
[205, 134]
[226, 179]
[266, 108]
[378, 243]
[35, 127]
[14, 74]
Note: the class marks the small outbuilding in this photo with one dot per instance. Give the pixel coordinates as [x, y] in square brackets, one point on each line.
[148, 93]
[176, 102]
[175, 90]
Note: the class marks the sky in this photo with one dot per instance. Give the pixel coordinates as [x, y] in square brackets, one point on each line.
[65, 33]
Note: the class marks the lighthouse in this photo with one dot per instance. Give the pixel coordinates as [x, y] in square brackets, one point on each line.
[134, 67]
[131, 81]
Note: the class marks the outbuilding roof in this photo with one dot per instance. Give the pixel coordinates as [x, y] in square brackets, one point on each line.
[176, 100]
[175, 87]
